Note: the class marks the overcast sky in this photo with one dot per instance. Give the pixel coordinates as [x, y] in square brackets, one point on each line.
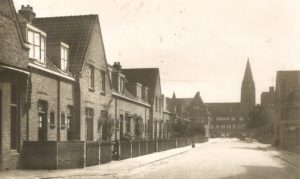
[199, 45]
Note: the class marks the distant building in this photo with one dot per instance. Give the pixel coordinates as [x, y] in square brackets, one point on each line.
[193, 112]
[230, 119]
[267, 99]
[131, 106]
[287, 108]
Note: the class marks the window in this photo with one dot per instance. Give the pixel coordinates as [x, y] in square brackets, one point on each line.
[52, 119]
[233, 126]
[63, 120]
[222, 126]
[241, 118]
[121, 126]
[156, 104]
[89, 117]
[64, 52]
[138, 91]
[70, 123]
[217, 126]
[128, 121]
[145, 93]
[36, 46]
[103, 81]
[228, 126]
[14, 136]
[91, 77]
[106, 128]
[121, 85]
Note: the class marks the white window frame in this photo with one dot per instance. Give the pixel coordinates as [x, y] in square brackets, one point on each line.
[36, 45]
[64, 56]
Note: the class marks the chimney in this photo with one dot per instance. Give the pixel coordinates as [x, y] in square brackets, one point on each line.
[27, 12]
[271, 89]
[117, 66]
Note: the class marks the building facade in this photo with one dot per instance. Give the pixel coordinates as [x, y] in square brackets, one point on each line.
[287, 107]
[230, 119]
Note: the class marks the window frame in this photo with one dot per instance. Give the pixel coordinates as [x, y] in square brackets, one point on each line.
[64, 57]
[40, 45]
[91, 77]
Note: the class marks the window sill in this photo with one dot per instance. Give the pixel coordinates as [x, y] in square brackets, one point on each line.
[91, 89]
[36, 61]
[52, 126]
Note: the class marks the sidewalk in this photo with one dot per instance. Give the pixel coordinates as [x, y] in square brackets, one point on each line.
[289, 157]
[109, 169]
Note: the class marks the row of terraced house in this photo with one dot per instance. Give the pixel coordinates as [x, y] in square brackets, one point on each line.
[59, 97]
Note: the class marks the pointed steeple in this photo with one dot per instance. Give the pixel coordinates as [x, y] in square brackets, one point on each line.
[248, 89]
[174, 96]
[248, 73]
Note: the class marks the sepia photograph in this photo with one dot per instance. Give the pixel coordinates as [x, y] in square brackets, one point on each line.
[154, 89]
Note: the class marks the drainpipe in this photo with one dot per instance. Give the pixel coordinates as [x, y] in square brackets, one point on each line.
[58, 109]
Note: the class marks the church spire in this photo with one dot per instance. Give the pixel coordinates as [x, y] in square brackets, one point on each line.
[248, 73]
[248, 89]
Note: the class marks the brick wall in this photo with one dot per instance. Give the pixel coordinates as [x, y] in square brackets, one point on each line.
[135, 148]
[125, 150]
[53, 155]
[45, 87]
[10, 158]
[11, 50]
[95, 99]
[121, 106]
[106, 154]
[92, 153]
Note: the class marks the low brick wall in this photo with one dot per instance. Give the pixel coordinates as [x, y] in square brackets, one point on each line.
[92, 153]
[151, 146]
[135, 148]
[39, 155]
[70, 155]
[52, 155]
[106, 152]
[143, 147]
[125, 150]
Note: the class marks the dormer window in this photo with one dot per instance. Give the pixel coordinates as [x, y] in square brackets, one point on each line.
[121, 84]
[64, 56]
[37, 43]
[138, 91]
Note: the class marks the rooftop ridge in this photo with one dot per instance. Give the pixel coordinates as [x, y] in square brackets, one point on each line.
[52, 17]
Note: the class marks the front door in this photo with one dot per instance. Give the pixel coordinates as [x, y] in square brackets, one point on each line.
[42, 121]
[42, 133]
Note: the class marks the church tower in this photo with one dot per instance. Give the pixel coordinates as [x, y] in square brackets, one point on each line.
[248, 90]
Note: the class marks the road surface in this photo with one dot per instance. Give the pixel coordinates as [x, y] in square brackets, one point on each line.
[220, 159]
[216, 159]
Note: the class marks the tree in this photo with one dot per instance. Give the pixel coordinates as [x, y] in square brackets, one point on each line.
[259, 122]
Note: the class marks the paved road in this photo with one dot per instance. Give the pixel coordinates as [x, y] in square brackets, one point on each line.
[216, 159]
[222, 159]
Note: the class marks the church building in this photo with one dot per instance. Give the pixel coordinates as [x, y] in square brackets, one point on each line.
[230, 119]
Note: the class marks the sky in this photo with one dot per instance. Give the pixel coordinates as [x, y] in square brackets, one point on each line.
[198, 45]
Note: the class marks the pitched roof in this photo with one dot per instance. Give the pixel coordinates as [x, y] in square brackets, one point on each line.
[145, 76]
[13, 51]
[223, 108]
[76, 31]
[248, 73]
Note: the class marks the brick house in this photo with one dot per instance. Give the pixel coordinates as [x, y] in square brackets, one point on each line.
[150, 77]
[193, 112]
[14, 76]
[287, 108]
[54, 85]
[131, 107]
[88, 98]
